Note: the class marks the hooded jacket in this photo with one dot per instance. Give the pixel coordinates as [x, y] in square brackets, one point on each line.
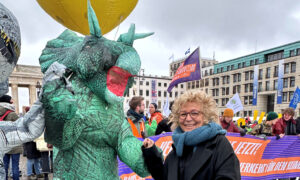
[12, 116]
[285, 127]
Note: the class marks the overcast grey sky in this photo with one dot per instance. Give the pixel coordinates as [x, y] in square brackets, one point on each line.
[230, 28]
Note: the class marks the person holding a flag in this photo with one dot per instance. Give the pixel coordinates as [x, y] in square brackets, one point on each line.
[200, 148]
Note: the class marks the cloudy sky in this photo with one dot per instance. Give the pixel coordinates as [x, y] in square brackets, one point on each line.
[230, 28]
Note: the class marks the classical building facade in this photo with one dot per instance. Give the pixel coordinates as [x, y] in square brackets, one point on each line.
[237, 76]
[143, 87]
[25, 76]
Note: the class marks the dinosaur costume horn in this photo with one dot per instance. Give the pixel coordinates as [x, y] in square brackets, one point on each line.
[95, 29]
[130, 36]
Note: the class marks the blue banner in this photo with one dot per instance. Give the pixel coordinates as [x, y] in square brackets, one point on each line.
[280, 82]
[296, 98]
[255, 85]
[189, 70]
[153, 91]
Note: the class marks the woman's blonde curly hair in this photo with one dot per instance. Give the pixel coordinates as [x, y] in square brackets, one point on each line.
[208, 104]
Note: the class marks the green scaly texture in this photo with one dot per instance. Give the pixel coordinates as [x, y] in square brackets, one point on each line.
[88, 127]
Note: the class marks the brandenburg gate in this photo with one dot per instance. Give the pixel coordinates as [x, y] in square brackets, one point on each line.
[25, 76]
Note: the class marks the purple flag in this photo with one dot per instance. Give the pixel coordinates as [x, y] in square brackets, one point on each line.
[189, 70]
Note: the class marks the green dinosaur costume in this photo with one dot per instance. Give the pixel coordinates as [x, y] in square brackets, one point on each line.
[86, 121]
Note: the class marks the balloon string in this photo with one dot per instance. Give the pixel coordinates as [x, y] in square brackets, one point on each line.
[121, 18]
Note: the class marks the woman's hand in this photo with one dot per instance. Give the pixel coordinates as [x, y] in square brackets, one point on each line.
[148, 143]
[281, 135]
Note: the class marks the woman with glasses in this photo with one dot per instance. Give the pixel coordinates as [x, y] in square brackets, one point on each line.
[200, 148]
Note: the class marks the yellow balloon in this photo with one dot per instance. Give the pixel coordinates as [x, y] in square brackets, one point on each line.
[73, 13]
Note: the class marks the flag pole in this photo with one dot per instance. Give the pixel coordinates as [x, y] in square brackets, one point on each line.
[200, 63]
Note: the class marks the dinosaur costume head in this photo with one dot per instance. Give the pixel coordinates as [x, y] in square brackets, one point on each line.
[106, 67]
[10, 44]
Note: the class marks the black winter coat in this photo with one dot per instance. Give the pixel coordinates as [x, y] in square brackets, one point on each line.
[213, 159]
[31, 150]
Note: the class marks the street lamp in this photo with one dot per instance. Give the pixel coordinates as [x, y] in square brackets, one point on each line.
[38, 87]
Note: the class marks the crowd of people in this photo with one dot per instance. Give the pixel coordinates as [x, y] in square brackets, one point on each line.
[38, 153]
[198, 132]
[200, 149]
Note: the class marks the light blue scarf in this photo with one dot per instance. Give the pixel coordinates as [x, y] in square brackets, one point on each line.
[196, 136]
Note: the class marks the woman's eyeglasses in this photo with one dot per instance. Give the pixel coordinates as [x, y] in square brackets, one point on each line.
[193, 114]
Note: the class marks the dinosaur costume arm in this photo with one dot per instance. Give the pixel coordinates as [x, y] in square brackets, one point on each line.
[129, 150]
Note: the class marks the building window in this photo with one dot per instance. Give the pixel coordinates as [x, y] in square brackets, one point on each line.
[293, 67]
[159, 104]
[176, 94]
[245, 113]
[147, 104]
[291, 94]
[165, 84]
[234, 77]
[224, 79]
[246, 88]
[275, 71]
[227, 91]
[218, 70]
[259, 86]
[268, 72]
[251, 62]
[228, 68]
[256, 61]
[239, 65]
[193, 85]
[292, 81]
[292, 53]
[141, 92]
[182, 85]
[239, 77]
[285, 82]
[267, 85]
[260, 74]
[189, 85]
[147, 92]
[246, 75]
[232, 67]
[275, 86]
[250, 99]
[251, 87]
[165, 93]
[159, 84]
[244, 64]
[284, 97]
[207, 82]
[147, 83]
[251, 75]
[223, 101]
[223, 91]
[197, 84]
[159, 93]
[210, 72]
[250, 113]
[286, 68]
[298, 51]
[234, 90]
[222, 69]
[213, 92]
[217, 101]
[228, 79]
[217, 92]
[238, 88]
[170, 94]
[217, 81]
[245, 100]
[141, 83]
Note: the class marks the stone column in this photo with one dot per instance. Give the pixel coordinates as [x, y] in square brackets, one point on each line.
[32, 94]
[14, 93]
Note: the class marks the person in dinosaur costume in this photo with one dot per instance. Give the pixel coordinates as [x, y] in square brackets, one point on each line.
[87, 124]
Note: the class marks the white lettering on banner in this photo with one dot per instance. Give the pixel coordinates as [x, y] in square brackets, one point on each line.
[257, 168]
[187, 68]
[293, 165]
[166, 147]
[134, 177]
[247, 148]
